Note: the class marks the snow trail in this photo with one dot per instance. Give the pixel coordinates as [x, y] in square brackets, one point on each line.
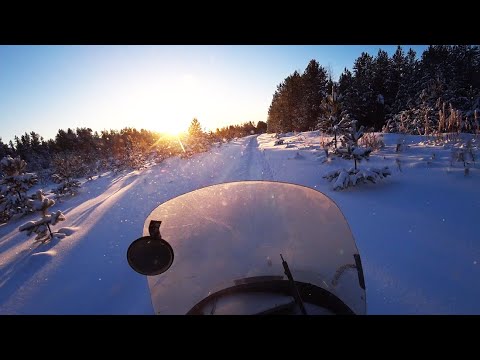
[88, 270]
[416, 231]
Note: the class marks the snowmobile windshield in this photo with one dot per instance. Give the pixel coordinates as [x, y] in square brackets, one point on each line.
[228, 239]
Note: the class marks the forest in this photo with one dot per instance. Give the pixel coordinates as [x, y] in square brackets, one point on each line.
[438, 91]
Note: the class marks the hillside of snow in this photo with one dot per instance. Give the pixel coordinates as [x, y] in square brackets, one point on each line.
[416, 230]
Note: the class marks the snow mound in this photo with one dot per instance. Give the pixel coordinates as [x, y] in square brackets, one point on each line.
[343, 179]
[299, 156]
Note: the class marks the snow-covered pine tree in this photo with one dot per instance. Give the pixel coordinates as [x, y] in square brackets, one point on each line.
[381, 86]
[398, 71]
[364, 101]
[350, 149]
[133, 155]
[343, 179]
[14, 185]
[332, 119]
[41, 227]
[347, 92]
[66, 168]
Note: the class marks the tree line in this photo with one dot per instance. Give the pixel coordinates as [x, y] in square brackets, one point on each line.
[401, 93]
[83, 153]
[113, 148]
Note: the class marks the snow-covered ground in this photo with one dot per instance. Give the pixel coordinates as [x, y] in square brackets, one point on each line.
[416, 230]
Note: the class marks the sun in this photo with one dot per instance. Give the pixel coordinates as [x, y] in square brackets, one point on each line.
[183, 103]
[173, 128]
[167, 107]
[170, 118]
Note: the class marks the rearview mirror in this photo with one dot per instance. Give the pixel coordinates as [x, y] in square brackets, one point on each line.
[150, 256]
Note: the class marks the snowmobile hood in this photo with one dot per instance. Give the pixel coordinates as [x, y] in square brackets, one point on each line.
[234, 233]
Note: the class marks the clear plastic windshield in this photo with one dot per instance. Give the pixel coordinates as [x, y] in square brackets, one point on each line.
[230, 234]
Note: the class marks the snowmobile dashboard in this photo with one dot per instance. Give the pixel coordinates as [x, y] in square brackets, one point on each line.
[270, 297]
[260, 295]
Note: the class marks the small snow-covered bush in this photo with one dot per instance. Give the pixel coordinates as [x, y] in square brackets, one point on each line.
[278, 142]
[343, 179]
[372, 141]
[299, 156]
[44, 176]
[464, 154]
[66, 187]
[326, 142]
[68, 166]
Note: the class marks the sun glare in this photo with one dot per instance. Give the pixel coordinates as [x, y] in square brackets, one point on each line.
[173, 128]
[165, 104]
[180, 104]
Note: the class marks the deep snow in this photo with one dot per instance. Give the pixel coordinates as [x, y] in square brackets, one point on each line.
[416, 230]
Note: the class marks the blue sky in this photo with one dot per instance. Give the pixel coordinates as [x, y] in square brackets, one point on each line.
[160, 88]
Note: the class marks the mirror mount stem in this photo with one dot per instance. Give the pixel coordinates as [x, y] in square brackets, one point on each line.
[154, 229]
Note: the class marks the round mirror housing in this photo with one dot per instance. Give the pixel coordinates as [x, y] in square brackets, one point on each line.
[150, 256]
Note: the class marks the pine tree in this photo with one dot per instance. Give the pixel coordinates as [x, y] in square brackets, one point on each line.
[404, 71]
[67, 167]
[314, 90]
[195, 129]
[398, 70]
[347, 93]
[197, 140]
[350, 148]
[365, 99]
[275, 112]
[13, 188]
[133, 156]
[40, 157]
[381, 86]
[331, 119]
[293, 118]
[41, 227]
[4, 150]
[296, 102]
[261, 127]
